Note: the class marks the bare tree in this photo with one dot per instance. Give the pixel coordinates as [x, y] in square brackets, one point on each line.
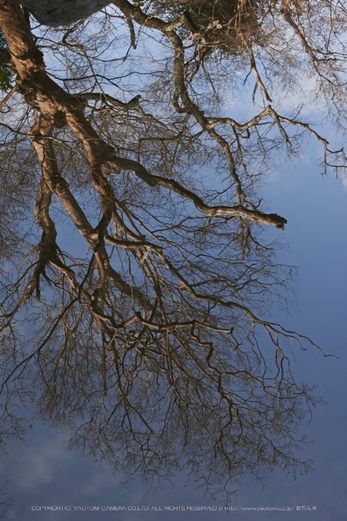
[154, 348]
[6, 501]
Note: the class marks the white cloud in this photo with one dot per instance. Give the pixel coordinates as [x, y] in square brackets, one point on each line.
[41, 465]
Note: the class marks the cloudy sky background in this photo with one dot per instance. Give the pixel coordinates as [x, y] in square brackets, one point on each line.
[43, 473]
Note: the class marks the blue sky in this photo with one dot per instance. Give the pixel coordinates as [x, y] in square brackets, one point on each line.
[43, 473]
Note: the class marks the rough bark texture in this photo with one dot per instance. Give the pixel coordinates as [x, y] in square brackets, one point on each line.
[62, 12]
